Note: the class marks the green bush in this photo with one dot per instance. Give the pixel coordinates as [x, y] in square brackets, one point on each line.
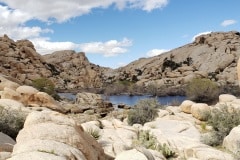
[222, 122]
[149, 141]
[146, 139]
[202, 90]
[45, 85]
[94, 133]
[144, 111]
[11, 121]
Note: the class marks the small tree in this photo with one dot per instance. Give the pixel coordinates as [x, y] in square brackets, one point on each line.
[202, 90]
[144, 111]
[45, 85]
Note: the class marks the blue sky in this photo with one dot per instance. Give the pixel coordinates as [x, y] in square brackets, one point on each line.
[113, 33]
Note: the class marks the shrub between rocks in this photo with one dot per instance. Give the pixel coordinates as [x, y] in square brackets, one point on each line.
[149, 141]
[222, 122]
[46, 85]
[144, 111]
[202, 90]
[11, 122]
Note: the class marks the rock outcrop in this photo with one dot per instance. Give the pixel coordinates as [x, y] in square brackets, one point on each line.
[213, 56]
[27, 96]
[75, 71]
[93, 102]
[21, 61]
[50, 135]
[67, 69]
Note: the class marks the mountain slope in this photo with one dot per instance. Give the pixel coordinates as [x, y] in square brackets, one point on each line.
[212, 56]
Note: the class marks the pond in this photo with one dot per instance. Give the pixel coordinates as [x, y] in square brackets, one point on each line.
[132, 100]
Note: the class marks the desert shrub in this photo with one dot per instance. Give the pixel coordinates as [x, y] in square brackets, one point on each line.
[202, 90]
[222, 122]
[149, 141]
[144, 111]
[94, 133]
[146, 139]
[45, 85]
[11, 121]
[167, 151]
[213, 138]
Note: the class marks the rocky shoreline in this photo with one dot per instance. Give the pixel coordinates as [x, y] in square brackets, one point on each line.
[63, 130]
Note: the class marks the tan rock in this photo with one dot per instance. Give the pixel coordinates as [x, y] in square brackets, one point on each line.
[50, 135]
[131, 154]
[226, 98]
[9, 93]
[26, 92]
[7, 83]
[44, 100]
[186, 106]
[231, 142]
[200, 111]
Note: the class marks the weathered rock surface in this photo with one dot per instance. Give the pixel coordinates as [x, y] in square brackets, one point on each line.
[186, 106]
[21, 61]
[67, 69]
[213, 56]
[75, 71]
[90, 101]
[232, 141]
[200, 111]
[51, 135]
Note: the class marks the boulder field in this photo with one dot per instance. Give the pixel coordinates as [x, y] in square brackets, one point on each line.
[213, 56]
[50, 133]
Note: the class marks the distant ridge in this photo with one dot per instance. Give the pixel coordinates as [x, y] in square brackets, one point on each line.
[212, 56]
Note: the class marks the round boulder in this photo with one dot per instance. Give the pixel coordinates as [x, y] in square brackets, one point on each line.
[200, 111]
[186, 106]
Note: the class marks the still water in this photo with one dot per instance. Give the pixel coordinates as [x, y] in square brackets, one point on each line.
[131, 100]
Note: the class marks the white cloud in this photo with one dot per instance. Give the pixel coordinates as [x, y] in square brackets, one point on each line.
[149, 5]
[15, 14]
[63, 10]
[199, 34]
[156, 52]
[108, 49]
[228, 22]
[44, 46]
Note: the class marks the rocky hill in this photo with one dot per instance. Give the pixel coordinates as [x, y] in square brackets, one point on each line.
[67, 69]
[212, 56]
[74, 70]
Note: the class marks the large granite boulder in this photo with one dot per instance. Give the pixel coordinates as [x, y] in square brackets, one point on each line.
[186, 106]
[232, 141]
[91, 101]
[51, 135]
[200, 111]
